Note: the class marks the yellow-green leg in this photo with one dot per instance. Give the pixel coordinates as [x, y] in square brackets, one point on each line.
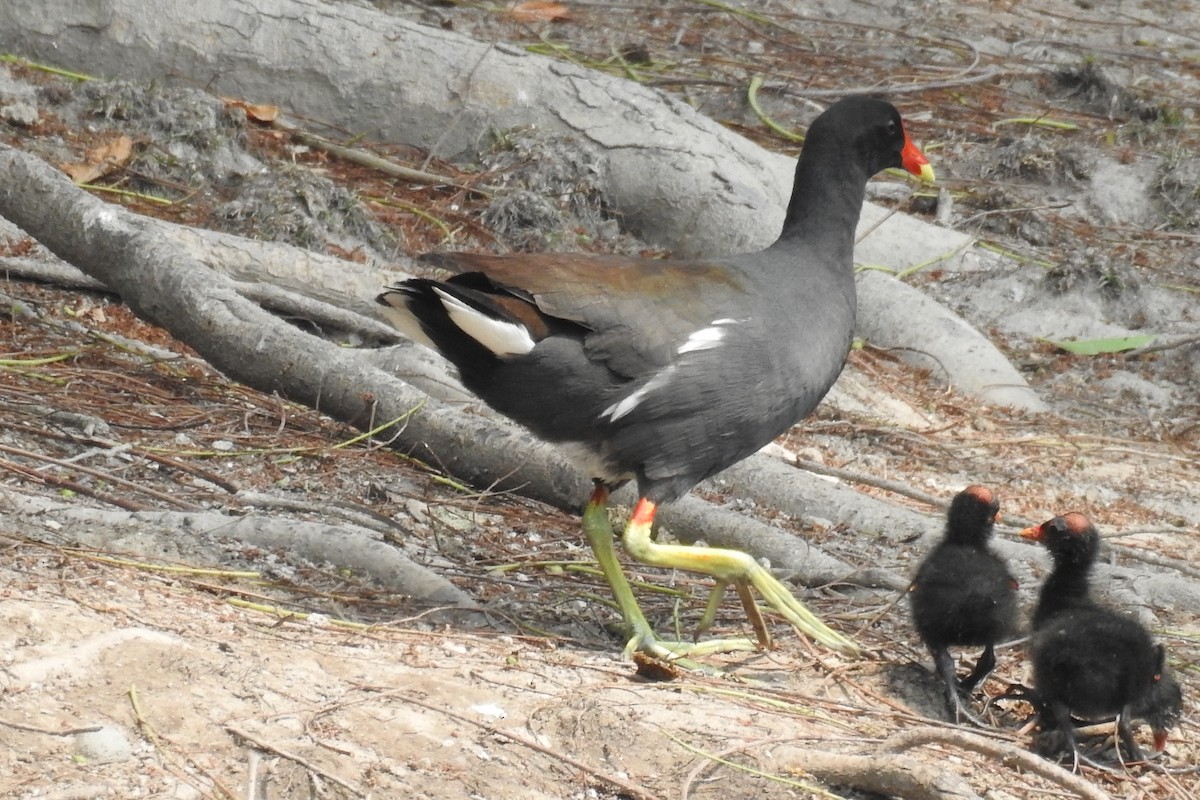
[729, 567]
[752, 613]
[599, 532]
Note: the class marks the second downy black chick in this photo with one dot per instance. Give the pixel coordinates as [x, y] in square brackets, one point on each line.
[963, 595]
[1088, 660]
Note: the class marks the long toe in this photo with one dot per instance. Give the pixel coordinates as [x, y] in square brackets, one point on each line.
[643, 640]
[783, 601]
[1128, 751]
[731, 567]
[956, 700]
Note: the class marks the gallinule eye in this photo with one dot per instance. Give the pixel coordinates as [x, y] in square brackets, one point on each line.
[668, 371]
[1088, 660]
[963, 594]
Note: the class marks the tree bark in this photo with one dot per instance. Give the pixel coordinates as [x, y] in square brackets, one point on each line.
[148, 531]
[677, 178]
[165, 284]
[198, 306]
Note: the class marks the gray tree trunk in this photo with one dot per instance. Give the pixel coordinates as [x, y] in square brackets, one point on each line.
[677, 178]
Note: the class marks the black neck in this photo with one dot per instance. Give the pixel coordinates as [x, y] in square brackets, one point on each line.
[827, 199]
[974, 535]
[1063, 589]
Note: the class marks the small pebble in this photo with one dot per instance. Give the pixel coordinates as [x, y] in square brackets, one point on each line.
[108, 745]
[21, 115]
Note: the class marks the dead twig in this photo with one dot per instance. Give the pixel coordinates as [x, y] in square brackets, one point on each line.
[891, 775]
[894, 89]
[77, 793]
[1186, 341]
[102, 475]
[896, 487]
[20, 726]
[74, 486]
[186, 771]
[1007, 754]
[1154, 559]
[372, 161]
[362, 516]
[267, 747]
[720, 758]
[190, 469]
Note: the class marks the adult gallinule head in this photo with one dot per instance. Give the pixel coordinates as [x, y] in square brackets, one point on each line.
[668, 371]
[963, 594]
[1088, 660]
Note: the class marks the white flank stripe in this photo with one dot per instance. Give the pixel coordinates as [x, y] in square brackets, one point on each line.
[627, 404]
[703, 339]
[502, 338]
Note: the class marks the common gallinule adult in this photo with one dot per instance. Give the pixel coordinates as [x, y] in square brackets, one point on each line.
[668, 371]
[964, 595]
[1088, 660]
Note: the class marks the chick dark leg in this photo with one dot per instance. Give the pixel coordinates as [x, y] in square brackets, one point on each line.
[1062, 718]
[983, 668]
[944, 663]
[1131, 751]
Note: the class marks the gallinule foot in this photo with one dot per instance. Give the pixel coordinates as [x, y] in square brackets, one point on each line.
[1088, 660]
[963, 595]
[668, 371]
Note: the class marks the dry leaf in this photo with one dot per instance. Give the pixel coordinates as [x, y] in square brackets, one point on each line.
[100, 161]
[535, 11]
[258, 112]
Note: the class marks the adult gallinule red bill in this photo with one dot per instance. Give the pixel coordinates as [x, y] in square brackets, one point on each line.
[964, 595]
[668, 371]
[1088, 660]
